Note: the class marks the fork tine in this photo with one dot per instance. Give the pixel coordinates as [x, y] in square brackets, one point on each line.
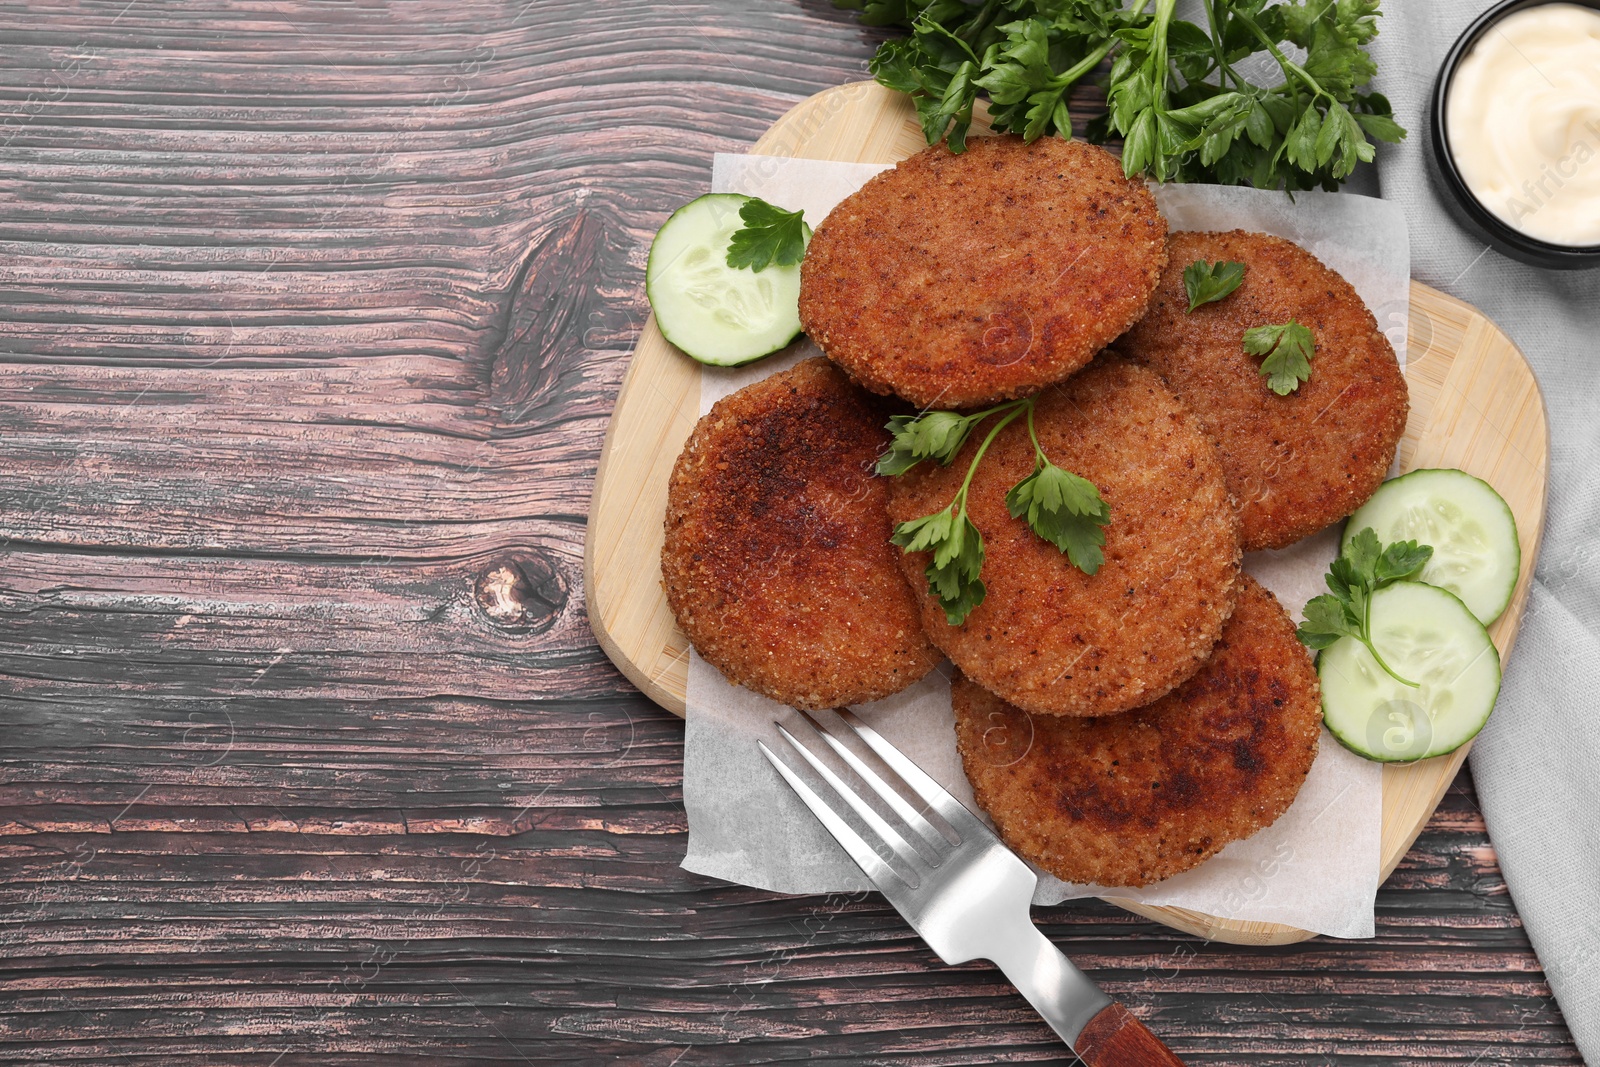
[898, 844]
[912, 817]
[933, 794]
[882, 875]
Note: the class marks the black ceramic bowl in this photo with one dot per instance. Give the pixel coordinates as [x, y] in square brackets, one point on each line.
[1466, 207]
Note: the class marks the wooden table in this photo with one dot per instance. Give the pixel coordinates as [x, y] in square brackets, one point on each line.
[313, 314]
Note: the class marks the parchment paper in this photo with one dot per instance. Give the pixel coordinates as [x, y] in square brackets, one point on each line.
[1315, 868]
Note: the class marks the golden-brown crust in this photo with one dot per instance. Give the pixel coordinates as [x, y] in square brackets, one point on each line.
[1295, 463]
[955, 280]
[777, 562]
[1048, 637]
[1135, 798]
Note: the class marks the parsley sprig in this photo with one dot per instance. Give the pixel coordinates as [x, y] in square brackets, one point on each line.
[769, 235]
[1059, 506]
[1207, 282]
[1062, 508]
[1177, 94]
[1288, 349]
[1364, 567]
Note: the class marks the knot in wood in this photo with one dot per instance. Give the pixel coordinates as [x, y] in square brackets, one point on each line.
[523, 593]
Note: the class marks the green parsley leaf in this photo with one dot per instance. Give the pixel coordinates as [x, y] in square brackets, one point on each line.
[1179, 94]
[1205, 283]
[1364, 567]
[769, 235]
[938, 435]
[957, 548]
[1300, 146]
[920, 535]
[876, 12]
[1375, 116]
[1400, 561]
[895, 64]
[1065, 510]
[1327, 620]
[948, 113]
[1360, 559]
[1288, 349]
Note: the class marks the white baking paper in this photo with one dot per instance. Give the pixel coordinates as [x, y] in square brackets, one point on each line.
[1315, 868]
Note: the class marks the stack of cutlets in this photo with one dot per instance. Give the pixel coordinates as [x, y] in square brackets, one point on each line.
[1118, 727]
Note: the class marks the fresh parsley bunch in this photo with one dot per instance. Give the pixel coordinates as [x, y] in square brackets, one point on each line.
[1177, 94]
[1364, 567]
[1059, 506]
[1025, 55]
[1186, 113]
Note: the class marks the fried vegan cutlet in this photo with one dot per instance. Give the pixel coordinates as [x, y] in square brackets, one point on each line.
[1299, 462]
[777, 562]
[1131, 799]
[956, 280]
[1048, 637]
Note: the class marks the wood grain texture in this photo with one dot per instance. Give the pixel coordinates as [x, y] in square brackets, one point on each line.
[1115, 1038]
[311, 316]
[1475, 405]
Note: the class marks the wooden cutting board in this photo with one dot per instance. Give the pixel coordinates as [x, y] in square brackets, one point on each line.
[1474, 405]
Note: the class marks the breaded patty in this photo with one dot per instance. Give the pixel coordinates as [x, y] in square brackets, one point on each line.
[954, 280]
[1295, 463]
[777, 561]
[1048, 637]
[1132, 799]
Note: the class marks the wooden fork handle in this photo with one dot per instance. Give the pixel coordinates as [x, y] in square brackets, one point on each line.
[1114, 1038]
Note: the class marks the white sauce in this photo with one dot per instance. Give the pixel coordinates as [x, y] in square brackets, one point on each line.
[1523, 120]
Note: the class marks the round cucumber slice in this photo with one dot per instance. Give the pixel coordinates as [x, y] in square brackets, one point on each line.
[717, 314]
[1427, 636]
[1476, 554]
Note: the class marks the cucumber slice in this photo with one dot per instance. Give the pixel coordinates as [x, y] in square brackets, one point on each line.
[715, 313]
[1427, 636]
[1476, 554]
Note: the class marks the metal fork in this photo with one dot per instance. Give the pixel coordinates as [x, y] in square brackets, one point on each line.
[967, 897]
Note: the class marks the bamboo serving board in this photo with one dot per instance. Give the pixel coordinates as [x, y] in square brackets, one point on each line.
[1474, 405]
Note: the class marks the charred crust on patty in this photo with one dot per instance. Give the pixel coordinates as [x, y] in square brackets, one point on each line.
[777, 563]
[1131, 799]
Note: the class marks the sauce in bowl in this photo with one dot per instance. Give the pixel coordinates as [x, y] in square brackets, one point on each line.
[1523, 120]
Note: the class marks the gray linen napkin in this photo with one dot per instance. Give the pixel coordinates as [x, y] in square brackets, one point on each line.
[1537, 763]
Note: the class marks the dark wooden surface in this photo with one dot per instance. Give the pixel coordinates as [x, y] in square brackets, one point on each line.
[311, 314]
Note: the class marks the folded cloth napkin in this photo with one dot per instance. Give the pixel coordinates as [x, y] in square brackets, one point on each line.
[1537, 763]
